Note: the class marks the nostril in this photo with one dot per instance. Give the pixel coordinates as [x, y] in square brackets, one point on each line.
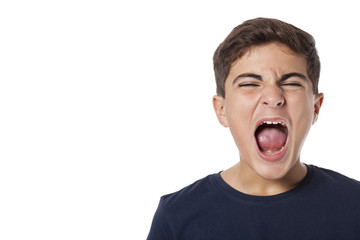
[274, 104]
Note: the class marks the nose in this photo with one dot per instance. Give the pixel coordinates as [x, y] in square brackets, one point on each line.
[273, 97]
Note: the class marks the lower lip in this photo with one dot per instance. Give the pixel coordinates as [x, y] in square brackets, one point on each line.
[272, 158]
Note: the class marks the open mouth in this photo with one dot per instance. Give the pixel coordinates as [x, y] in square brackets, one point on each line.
[271, 137]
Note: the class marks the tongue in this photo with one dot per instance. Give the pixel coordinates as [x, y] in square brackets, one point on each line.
[271, 139]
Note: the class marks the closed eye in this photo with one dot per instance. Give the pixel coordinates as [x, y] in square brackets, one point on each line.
[248, 85]
[287, 81]
[292, 84]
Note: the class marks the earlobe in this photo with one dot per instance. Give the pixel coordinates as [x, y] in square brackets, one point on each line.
[219, 107]
[319, 98]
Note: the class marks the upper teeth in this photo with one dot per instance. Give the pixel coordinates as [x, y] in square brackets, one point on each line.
[273, 122]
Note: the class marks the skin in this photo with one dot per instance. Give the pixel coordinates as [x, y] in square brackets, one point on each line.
[256, 89]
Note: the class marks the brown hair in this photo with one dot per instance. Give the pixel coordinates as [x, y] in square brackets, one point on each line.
[260, 31]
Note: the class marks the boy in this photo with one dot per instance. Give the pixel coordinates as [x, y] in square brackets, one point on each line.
[267, 74]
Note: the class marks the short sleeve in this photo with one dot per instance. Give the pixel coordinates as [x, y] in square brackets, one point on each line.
[160, 227]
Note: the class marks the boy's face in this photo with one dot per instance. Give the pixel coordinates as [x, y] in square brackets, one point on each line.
[269, 108]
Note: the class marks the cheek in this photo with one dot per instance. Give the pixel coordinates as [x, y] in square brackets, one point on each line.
[302, 114]
[239, 115]
[301, 105]
[240, 110]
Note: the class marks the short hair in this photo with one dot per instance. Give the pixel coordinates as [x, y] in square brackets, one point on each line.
[261, 31]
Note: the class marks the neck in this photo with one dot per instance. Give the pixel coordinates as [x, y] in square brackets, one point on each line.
[244, 179]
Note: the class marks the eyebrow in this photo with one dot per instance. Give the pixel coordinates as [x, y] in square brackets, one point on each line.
[258, 77]
[247, 75]
[293, 74]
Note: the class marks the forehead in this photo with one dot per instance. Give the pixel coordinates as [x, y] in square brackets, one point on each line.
[275, 57]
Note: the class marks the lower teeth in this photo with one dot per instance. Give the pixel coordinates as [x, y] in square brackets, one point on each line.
[271, 152]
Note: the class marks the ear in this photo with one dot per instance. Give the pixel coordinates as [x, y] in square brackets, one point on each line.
[219, 107]
[317, 105]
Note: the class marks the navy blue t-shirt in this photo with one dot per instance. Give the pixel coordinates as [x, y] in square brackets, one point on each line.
[325, 205]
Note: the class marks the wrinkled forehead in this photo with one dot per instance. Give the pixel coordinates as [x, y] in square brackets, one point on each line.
[270, 55]
[269, 60]
[258, 48]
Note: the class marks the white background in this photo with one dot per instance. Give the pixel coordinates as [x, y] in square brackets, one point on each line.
[106, 105]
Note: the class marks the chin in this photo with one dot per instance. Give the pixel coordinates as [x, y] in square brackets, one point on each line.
[273, 171]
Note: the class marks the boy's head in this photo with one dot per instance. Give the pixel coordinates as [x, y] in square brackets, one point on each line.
[258, 32]
[269, 71]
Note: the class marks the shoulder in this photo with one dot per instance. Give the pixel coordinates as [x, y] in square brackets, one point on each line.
[334, 176]
[176, 208]
[196, 191]
[336, 181]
